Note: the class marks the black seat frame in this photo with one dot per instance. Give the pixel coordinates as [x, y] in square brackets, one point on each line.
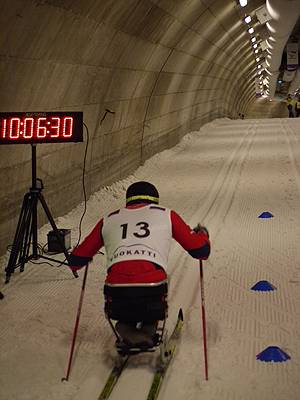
[136, 303]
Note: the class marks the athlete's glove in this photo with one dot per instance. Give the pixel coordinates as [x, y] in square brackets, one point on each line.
[200, 228]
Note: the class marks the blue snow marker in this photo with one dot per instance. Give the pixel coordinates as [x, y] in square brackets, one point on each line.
[263, 286]
[273, 354]
[266, 215]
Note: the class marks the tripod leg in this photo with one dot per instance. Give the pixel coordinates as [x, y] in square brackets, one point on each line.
[21, 236]
[30, 233]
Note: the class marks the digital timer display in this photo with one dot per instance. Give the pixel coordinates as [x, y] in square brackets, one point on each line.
[41, 127]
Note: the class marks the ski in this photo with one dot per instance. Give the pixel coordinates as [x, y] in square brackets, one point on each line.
[161, 368]
[166, 359]
[113, 377]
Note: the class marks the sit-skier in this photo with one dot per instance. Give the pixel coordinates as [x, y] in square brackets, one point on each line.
[137, 242]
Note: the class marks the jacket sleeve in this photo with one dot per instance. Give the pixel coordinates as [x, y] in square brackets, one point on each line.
[84, 253]
[196, 244]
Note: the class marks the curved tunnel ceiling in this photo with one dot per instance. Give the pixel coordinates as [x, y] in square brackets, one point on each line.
[281, 25]
[164, 67]
[203, 38]
[196, 38]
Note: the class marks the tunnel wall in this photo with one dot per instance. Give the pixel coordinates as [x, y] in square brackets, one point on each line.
[163, 67]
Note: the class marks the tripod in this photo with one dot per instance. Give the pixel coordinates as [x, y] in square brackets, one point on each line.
[26, 232]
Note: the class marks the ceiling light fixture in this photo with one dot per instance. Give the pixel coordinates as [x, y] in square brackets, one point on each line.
[243, 3]
[250, 31]
[269, 44]
[253, 39]
[247, 19]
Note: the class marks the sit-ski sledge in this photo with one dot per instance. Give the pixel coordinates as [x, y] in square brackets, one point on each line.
[140, 303]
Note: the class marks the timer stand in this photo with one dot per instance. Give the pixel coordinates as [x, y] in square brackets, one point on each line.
[26, 232]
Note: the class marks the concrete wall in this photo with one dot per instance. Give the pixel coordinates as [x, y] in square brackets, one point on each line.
[164, 67]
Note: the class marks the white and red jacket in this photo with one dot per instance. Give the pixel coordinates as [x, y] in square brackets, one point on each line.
[137, 242]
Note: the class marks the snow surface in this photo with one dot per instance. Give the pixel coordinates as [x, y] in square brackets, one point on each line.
[223, 176]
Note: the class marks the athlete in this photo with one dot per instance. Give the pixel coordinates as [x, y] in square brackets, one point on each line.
[289, 104]
[297, 107]
[137, 242]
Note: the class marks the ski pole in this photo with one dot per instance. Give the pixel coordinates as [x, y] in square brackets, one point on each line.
[203, 318]
[77, 323]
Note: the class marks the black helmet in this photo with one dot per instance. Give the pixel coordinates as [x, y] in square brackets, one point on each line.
[141, 192]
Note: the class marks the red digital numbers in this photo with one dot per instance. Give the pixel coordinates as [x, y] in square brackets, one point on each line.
[41, 127]
[28, 128]
[67, 127]
[41, 131]
[55, 127]
[37, 128]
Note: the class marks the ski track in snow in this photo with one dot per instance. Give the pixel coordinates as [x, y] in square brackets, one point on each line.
[223, 176]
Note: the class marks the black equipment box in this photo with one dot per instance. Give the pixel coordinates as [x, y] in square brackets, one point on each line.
[53, 243]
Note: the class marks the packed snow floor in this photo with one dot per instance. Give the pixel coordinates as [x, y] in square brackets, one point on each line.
[224, 176]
